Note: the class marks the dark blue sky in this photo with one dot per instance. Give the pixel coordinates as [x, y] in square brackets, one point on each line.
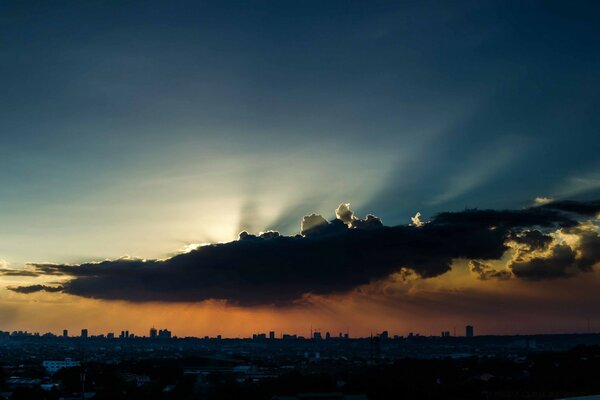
[136, 128]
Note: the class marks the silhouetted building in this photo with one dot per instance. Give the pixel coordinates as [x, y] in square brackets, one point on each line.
[259, 336]
[153, 333]
[272, 335]
[446, 334]
[84, 333]
[469, 331]
[110, 335]
[384, 335]
[317, 336]
[164, 334]
[65, 333]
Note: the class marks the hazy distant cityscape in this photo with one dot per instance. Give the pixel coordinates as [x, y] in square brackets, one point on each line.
[155, 333]
[277, 366]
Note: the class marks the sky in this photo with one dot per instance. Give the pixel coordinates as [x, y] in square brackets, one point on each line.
[137, 140]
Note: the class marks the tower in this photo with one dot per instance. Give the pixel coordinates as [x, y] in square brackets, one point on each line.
[469, 331]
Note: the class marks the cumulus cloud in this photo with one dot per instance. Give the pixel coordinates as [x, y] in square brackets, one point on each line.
[347, 216]
[564, 253]
[343, 254]
[416, 220]
[532, 239]
[310, 222]
[486, 272]
[540, 201]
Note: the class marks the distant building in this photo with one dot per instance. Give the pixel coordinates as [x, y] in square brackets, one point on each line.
[84, 333]
[384, 335]
[446, 334]
[153, 333]
[317, 336]
[327, 336]
[164, 334]
[272, 335]
[52, 366]
[65, 333]
[469, 331]
[110, 335]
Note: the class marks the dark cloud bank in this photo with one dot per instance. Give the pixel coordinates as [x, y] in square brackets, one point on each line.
[339, 255]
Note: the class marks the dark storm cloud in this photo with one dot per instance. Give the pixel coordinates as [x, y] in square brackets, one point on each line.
[35, 288]
[563, 260]
[534, 239]
[332, 256]
[561, 263]
[590, 208]
[486, 272]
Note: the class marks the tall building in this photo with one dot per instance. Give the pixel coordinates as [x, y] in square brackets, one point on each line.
[164, 334]
[469, 331]
[84, 333]
[272, 335]
[153, 333]
[65, 333]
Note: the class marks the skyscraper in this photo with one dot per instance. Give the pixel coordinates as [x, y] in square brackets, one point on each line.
[469, 331]
[153, 333]
[65, 333]
[84, 333]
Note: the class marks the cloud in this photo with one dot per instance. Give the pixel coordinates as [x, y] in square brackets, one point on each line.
[559, 264]
[339, 255]
[566, 253]
[486, 272]
[416, 220]
[346, 215]
[17, 272]
[5, 270]
[589, 208]
[540, 201]
[533, 240]
[310, 222]
[35, 288]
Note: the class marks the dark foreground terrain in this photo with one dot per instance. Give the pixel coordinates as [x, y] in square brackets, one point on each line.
[547, 367]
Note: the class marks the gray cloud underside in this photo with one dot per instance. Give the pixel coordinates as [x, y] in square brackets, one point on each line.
[337, 256]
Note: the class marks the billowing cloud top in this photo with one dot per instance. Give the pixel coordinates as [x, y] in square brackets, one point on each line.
[552, 240]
